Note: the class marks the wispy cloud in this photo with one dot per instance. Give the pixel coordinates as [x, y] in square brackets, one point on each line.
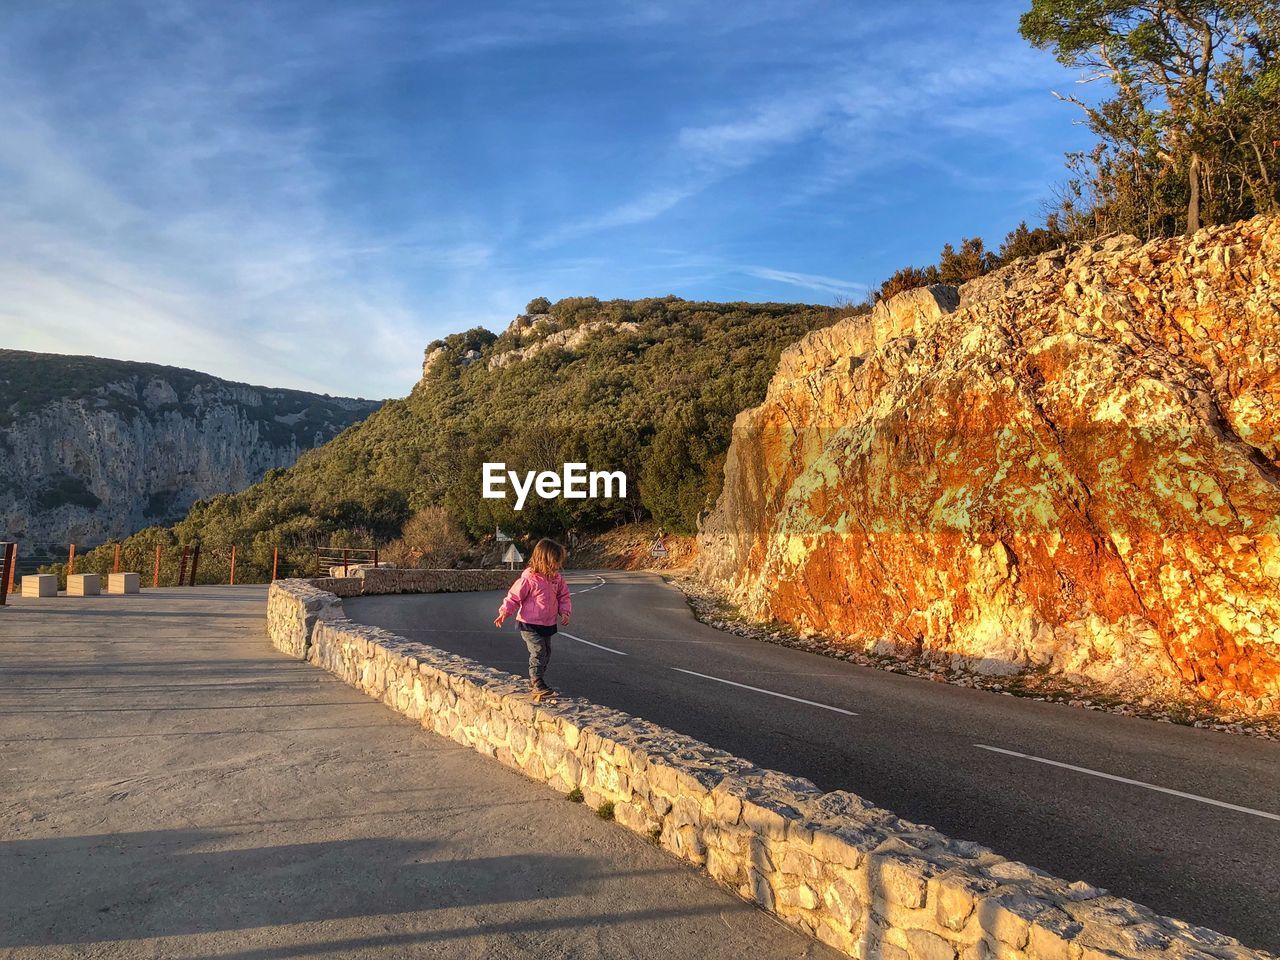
[773, 122]
[641, 209]
[808, 281]
[898, 99]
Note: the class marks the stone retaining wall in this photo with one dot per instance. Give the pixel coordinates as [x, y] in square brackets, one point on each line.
[293, 609]
[370, 580]
[853, 875]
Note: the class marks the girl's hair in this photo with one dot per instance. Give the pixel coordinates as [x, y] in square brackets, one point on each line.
[547, 557]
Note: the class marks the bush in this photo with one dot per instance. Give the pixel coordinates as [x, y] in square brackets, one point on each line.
[430, 538]
[538, 305]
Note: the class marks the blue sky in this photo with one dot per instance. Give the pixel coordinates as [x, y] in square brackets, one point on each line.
[305, 193]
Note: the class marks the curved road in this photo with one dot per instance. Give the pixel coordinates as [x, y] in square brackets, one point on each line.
[1186, 821]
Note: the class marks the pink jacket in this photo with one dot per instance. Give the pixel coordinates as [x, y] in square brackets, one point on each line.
[540, 600]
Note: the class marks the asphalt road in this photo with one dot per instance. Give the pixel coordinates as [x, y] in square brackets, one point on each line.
[1186, 821]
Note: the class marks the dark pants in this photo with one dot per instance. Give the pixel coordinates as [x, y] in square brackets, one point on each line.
[539, 653]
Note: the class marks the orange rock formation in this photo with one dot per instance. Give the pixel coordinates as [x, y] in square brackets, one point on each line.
[1072, 464]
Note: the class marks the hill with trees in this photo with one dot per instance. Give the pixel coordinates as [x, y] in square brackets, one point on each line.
[649, 387]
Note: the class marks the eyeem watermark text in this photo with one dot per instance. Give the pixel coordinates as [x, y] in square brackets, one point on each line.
[573, 482]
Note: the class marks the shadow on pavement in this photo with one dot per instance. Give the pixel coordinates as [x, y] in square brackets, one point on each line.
[164, 883]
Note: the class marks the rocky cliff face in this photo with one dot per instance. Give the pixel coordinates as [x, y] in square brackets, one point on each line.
[1070, 465]
[92, 449]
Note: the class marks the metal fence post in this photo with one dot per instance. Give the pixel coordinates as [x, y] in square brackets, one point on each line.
[155, 576]
[115, 565]
[71, 560]
[195, 560]
[6, 578]
[11, 568]
[233, 565]
[275, 562]
[182, 570]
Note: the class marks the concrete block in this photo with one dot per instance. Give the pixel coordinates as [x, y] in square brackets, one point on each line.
[40, 585]
[122, 583]
[84, 585]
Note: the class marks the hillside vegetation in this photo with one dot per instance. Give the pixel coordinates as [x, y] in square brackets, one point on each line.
[650, 387]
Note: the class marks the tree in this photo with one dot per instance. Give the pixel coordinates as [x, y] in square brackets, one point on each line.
[908, 278]
[1195, 103]
[1022, 241]
[968, 263]
[538, 305]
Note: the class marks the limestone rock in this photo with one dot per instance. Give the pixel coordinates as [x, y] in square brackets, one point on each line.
[542, 332]
[1072, 464]
[120, 445]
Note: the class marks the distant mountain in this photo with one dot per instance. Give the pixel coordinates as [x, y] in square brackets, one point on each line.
[92, 449]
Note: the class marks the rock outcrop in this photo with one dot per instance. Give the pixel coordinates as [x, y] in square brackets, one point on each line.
[542, 332]
[92, 449]
[1070, 465]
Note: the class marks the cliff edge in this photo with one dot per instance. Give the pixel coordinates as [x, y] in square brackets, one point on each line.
[92, 448]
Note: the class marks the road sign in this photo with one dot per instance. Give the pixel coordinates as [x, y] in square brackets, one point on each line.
[502, 537]
[659, 549]
[512, 555]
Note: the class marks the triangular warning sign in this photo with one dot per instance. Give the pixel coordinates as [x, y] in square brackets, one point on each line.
[512, 555]
[659, 549]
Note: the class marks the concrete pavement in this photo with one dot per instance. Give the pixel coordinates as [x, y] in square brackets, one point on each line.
[171, 786]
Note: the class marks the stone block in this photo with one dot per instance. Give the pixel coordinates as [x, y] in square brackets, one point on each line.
[40, 585]
[924, 945]
[84, 585]
[122, 583]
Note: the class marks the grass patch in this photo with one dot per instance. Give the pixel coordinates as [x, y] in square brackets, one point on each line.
[574, 795]
[605, 810]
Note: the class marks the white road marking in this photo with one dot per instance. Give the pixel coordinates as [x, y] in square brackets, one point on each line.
[772, 693]
[598, 646]
[1134, 783]
[574, 593]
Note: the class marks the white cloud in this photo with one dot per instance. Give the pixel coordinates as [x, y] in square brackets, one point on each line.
[776, 121]
[641, 209]
[808, 281]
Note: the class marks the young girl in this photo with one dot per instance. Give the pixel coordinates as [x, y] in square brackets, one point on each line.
[541, 596]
